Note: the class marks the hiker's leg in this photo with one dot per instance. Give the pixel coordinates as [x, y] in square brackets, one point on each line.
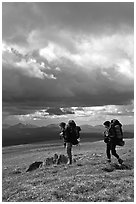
[115, 154]
[113, 150]
[69, 152]
[108, 151]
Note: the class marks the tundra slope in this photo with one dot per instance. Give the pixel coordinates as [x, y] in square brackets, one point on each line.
[89, 179]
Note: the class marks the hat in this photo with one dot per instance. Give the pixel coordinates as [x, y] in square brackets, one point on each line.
[62, 124]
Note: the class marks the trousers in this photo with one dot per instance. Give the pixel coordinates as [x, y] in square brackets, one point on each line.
[111, 149]
[69, 151]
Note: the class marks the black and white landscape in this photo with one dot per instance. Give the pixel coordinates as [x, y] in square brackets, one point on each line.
[63, 61]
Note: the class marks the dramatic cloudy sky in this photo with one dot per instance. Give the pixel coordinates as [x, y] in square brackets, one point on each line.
[67, 60]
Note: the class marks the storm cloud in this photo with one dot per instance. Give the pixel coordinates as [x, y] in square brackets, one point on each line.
[63, 55]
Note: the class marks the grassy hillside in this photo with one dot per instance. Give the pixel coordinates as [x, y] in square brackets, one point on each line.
[89, 179]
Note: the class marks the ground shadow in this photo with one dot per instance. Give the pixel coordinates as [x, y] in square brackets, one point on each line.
[115, 166]
[123, 166]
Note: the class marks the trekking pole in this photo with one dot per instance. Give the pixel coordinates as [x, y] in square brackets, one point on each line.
[79, 146]
[79, 143]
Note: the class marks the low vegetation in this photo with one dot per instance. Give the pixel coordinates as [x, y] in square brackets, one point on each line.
[89, 179]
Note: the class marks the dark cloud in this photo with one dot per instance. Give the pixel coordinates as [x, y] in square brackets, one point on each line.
[19, 19]
[15, 108]
[68, 110]
[90, 15]
[86, 77]
[122, 114]
[79, 109]
[58, 111]
[67, 91]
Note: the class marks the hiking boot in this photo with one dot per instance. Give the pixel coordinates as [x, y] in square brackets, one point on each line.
[120, 161]
[69, 163]
[109, 160]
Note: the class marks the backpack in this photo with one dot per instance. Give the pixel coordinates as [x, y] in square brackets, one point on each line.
[117, 126]
[72, 132]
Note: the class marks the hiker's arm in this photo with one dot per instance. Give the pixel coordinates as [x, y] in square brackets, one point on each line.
[121, 131]
[61, 135]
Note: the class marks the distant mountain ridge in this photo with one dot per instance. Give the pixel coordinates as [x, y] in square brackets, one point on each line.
[85, 128]
[100, 128]
[19, 125]
[90, 128]
[26, 133]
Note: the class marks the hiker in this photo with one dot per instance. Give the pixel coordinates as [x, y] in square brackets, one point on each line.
[62, 126]
[111, 141]
[72, 134]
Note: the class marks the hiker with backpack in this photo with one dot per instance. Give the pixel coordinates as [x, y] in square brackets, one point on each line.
[111, 135]
[71, 138]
